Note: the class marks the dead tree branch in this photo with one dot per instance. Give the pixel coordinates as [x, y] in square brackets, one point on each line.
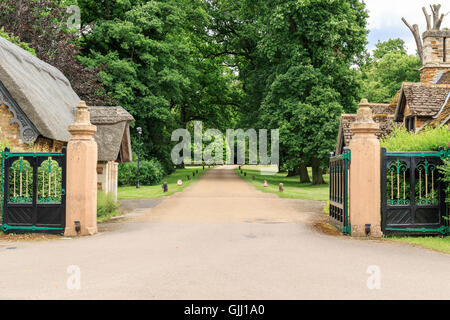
[427, 17]
[437, 20]
[416, 33]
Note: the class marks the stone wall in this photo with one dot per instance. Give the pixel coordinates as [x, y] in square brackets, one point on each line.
[432, 74]
[9, 132]
[108, 177]
[435, 60]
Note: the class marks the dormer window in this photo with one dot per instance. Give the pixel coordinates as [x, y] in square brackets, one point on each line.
[410, 123]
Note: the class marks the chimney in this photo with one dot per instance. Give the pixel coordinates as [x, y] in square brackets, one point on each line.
[436, 55]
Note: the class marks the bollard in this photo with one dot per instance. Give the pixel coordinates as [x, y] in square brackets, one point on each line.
[253, 178]
[280, 187]
[189, 177]
[193, 174]
[245, 174]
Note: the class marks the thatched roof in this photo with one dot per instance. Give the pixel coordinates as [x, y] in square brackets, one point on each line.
[42, 102]
[113, 134]
[423, 99]
[41, 93]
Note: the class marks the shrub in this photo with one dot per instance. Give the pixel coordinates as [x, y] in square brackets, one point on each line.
[429, 139]
[16, 41]
[151, 173]
[106, 204]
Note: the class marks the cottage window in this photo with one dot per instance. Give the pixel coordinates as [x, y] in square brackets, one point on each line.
[410, 124]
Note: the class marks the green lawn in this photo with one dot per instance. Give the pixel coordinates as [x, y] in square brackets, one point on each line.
[292, 188]
[434, 243]
[147, 192]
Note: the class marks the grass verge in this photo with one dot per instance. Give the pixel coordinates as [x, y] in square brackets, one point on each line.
[292, 188]
[434, 243]
[156, 191]
[107, 206]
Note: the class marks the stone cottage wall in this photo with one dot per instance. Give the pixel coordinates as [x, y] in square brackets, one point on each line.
[11, 134]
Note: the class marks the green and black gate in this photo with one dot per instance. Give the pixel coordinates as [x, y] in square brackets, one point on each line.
[33, 192]
[413, 195]
[339, 173]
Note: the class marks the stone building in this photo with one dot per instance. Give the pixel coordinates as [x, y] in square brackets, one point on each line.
[37, 105]
[382, 114]
[426, 103]
[419, 103]
[436, 55]
[416, 105]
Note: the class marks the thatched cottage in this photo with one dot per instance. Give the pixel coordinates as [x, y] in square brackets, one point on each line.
[36, 107]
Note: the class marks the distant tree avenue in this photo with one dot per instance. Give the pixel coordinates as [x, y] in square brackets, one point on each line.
[292, 65]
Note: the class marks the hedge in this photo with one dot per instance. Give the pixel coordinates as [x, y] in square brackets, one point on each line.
[430, 139]
[150, 173]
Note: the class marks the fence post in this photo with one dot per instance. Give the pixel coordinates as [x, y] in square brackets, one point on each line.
[365, 197]
[81, 212]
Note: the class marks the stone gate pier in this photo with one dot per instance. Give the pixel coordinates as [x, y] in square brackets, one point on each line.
[365, 176]
[81, 207]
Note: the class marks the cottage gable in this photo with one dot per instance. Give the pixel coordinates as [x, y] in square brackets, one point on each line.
[420, 99]
[113, 133]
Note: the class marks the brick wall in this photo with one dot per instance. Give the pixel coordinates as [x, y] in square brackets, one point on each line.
[431, 74]
[11, 134]
[435, 60]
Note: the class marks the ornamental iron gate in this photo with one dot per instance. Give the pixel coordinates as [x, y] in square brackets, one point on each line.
[413, 195]
[339, 173]
[33, 192]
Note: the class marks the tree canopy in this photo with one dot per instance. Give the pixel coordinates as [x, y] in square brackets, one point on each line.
[386, 69]
[292, 65]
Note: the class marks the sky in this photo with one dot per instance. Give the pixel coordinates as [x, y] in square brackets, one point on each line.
[385, 19]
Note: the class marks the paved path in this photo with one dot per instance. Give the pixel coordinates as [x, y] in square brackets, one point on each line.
[221, 239]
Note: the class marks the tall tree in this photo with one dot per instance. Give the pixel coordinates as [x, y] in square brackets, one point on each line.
[386, 69]
[43, 26]
[160, 66]
[292, 56]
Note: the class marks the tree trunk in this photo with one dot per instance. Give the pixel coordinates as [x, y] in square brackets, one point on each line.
[304, 176]
[317, 172]
[293, 173]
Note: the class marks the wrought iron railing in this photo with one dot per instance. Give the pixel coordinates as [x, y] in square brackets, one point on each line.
[339, 173]
[33, 191]
[413, 195]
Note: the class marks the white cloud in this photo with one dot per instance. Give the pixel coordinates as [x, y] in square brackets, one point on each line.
[385, 19]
